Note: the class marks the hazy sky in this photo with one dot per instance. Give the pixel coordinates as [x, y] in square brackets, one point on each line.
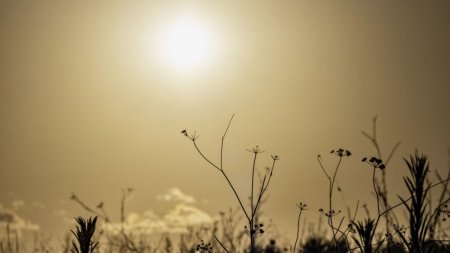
[89, 104]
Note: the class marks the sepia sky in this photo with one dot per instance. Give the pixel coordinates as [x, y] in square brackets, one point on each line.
[90, 103]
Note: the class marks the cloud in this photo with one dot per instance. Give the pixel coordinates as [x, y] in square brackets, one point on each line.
[16, 204]
[146, 223]
[184, 216]
[15, 222]
[64, 216]
[177, 220]
[176, 195]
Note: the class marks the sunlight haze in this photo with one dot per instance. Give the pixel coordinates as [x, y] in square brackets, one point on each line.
[94, 96]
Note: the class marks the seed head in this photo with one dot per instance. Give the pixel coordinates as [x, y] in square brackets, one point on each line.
[341, 152]
[375, 162]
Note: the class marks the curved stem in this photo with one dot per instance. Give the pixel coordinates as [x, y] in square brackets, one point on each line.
[204, 157]
[298, 229]
[332, 181]
[236, 194]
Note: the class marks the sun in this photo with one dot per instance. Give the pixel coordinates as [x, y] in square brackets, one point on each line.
[187, 44]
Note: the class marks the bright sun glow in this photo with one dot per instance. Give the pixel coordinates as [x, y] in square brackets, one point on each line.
[187, 44]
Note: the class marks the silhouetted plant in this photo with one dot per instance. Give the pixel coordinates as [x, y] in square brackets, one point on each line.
[254, 228]
[331, 213]
[419, 211]
[381, 184]
[376, 163]
[365, 231]
[84, 236]
[302, 207]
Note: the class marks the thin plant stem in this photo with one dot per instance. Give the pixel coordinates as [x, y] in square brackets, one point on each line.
[298, 229]
[221, 244]
[301, 207]
[330, 198]
[253, 179]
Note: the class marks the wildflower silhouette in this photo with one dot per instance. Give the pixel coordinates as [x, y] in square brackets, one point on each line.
[302, 207]
[375, 162]
[330, 213]
[341, 152]
[253, 227]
